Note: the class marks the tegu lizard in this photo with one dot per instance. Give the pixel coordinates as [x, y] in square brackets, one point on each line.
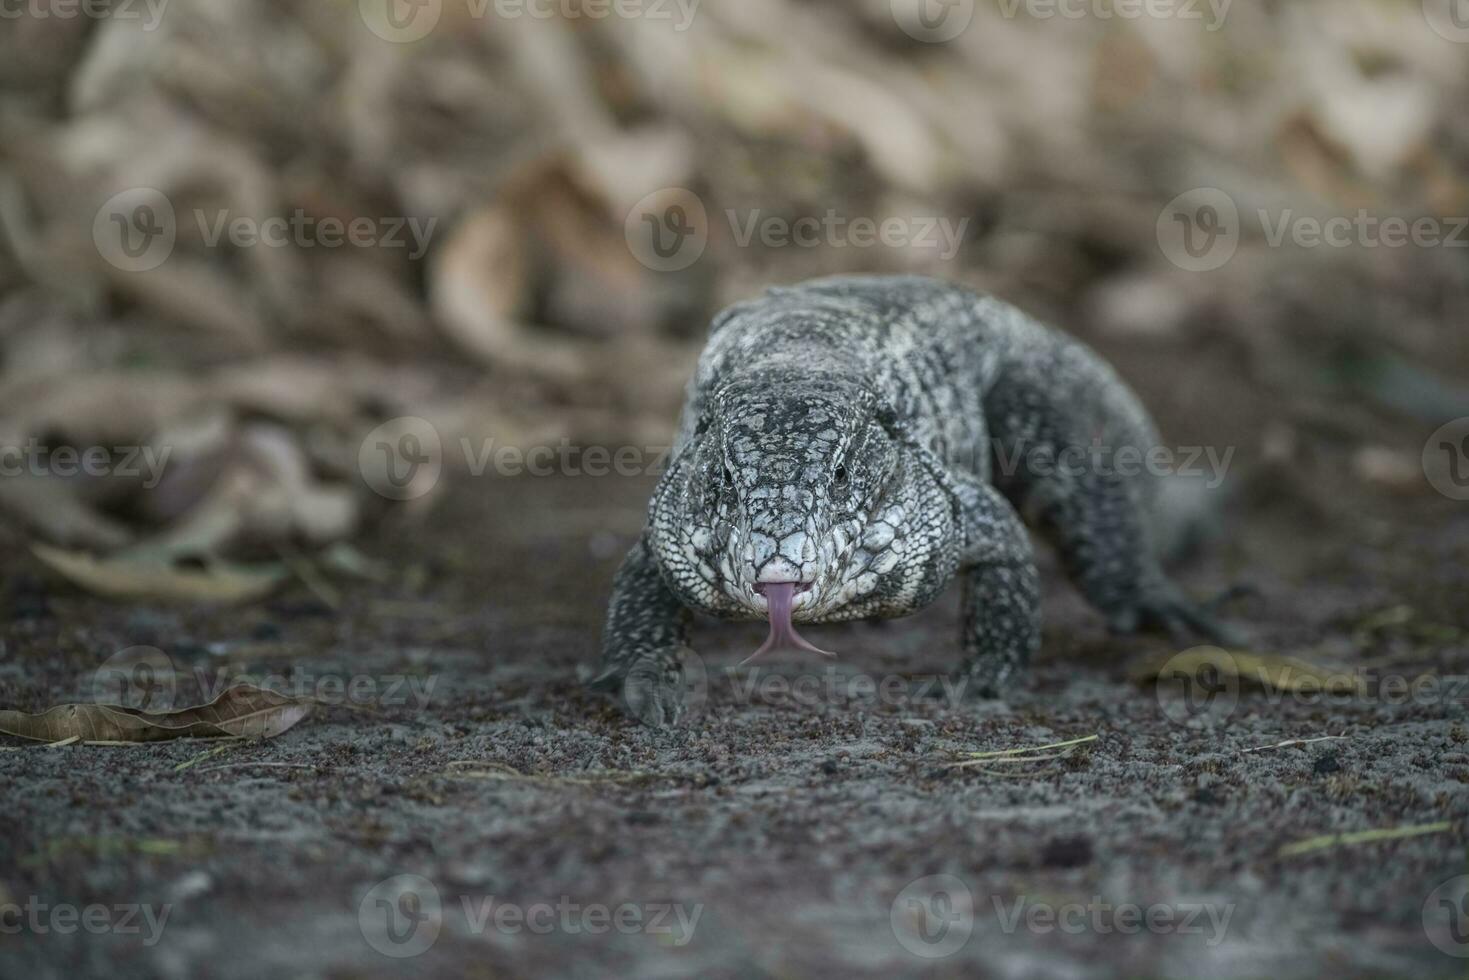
[851, 445]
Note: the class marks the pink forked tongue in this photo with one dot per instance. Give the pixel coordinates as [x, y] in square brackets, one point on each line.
[783, 635]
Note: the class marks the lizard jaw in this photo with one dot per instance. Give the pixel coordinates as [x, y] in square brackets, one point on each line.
[779, 597]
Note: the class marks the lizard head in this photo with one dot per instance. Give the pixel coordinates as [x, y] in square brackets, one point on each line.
[794, 501]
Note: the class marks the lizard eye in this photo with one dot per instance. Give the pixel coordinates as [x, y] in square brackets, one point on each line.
[841, 476]
[728, 477]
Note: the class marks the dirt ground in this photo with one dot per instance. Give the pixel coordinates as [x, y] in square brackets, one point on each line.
[791, 826]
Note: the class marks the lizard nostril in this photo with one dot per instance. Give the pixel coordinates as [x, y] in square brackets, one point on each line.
[800, 586]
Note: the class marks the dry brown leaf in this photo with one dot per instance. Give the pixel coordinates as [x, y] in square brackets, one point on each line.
[242, 711]
[1267, 670]
[480, 282]
[122, 579]
[51, 507]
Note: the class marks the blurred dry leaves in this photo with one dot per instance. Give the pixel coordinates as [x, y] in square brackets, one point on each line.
[518, 148]
[241, 711]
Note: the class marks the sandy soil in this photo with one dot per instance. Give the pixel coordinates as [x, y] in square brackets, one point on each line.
[791, 827]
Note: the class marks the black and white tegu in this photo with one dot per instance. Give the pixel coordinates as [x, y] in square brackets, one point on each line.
[851, 445]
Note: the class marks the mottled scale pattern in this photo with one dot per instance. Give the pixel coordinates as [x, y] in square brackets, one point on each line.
[873, 438]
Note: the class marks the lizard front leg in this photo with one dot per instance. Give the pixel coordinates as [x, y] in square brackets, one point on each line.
[1069, 441]
[1097, 525]
[1002, 594]
[642, 642]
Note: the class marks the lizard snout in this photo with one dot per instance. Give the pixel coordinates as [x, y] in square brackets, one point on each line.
[782, 570]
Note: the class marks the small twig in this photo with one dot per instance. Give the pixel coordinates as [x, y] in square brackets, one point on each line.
[408, 610]
[1021, 756]
[1359, 837]
[592, 777]
[202, 756]
[305, 569]
[1033, 749]
[267, 765]
[1294, 741]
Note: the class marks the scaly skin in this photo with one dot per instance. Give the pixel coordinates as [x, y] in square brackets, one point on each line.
[873, 438]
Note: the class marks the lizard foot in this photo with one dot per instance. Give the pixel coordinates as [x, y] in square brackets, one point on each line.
[650, 689]
[1168, 609]
[987, 677]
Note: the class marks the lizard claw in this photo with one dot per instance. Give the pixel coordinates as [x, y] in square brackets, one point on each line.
[650, 689]
[1179, 616]
[986, 679]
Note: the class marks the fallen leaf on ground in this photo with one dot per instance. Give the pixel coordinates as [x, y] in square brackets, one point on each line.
[242, 711]
[217, 581]
[1266, 670]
